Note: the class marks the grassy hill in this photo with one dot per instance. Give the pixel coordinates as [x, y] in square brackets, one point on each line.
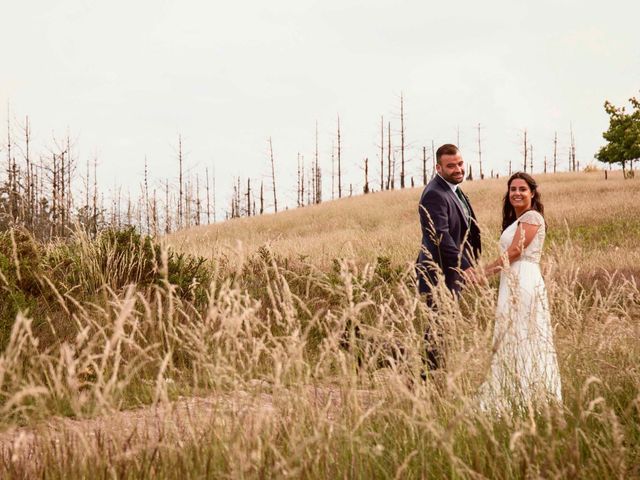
[600, 218]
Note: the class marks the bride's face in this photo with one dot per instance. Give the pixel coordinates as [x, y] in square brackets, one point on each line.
[520, 194]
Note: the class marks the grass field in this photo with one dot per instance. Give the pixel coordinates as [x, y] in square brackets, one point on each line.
[303, 335]
[582, 208]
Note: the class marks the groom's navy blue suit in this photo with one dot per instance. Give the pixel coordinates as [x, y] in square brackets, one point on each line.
[450, 243]
[450, 239]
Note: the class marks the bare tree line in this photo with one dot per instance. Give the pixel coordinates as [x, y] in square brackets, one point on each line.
[47, 194]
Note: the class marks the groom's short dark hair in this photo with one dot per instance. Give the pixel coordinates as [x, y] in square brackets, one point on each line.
[446, 149]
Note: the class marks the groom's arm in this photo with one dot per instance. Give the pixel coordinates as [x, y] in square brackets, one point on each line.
[438, 227]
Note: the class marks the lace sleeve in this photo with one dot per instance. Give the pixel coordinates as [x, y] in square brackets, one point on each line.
[532, 218]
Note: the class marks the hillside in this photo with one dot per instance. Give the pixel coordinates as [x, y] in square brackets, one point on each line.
[597, 214]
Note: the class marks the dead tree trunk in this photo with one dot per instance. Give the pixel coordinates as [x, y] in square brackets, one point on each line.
[480, 154]
[526, 149]
[180, 192]
[54, 195]
[70, 170]
[261, 197]
[573, 149]
[146, 196]
[10, 169]
[206, 174]
[198, 202]
[273, 177]
[555, 151]
[402, 173]
[333, 171]
[366, 176]
[381, 153]
[238, 190]
[129, 212]
[154, 212]
[318, 181]
[339, 163]
[389, 182]
[248, 197]
[424, 165]
[302, 181]
[213, 194]
[317, 184]
[94, 217]
[298, 183]
[61, 190]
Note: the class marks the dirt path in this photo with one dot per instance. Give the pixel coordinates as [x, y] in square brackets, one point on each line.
[177, 422]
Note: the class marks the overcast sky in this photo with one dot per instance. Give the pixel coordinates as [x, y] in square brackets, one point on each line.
[126, 77]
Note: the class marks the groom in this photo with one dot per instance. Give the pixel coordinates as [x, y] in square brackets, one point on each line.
[450, 236]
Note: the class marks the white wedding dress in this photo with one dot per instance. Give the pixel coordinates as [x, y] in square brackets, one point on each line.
[524, 367]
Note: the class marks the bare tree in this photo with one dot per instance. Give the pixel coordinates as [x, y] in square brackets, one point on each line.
[261, 197]
[273, 177]
[401, 140]
[389, 180]
[298, 187]
[213, 193]
[70, 172]
[206, 173]
[146, 195]
[366, 176]
[333, 171]
[95, 197]
[339, 163]
[424, 165]
[181, 193]
[555, 151]
[302, 181]
[572, 149]
[154, 212]
[198, 202]
[480, 154]
[317, 179]
[248, 195]
[526, 149]
[381, 153]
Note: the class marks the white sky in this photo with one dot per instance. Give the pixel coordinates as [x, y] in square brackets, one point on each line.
[127, 76]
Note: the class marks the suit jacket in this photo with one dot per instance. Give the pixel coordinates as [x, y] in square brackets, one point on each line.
[449, 241]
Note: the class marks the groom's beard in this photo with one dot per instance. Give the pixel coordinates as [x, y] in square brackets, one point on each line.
[453, 180]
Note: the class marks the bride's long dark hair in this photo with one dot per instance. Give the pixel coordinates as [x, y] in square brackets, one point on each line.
[508, 212]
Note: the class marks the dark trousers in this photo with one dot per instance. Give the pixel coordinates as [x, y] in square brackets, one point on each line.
[433, 340]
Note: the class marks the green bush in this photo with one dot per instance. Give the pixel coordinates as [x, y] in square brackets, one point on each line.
[20, 261]
[32, 276]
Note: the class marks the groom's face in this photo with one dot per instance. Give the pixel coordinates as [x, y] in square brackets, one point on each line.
[451, 168]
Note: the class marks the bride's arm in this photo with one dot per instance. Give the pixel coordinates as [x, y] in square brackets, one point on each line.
[525, 233]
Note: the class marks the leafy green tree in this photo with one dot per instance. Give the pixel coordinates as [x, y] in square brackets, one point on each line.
[623, 135]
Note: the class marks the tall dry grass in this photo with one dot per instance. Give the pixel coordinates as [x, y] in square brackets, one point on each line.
[325, 351]
[599, 216]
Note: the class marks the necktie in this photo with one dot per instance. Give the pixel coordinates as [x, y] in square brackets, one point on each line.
[465, 205]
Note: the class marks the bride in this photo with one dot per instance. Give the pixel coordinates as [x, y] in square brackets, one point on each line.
[524, 367]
